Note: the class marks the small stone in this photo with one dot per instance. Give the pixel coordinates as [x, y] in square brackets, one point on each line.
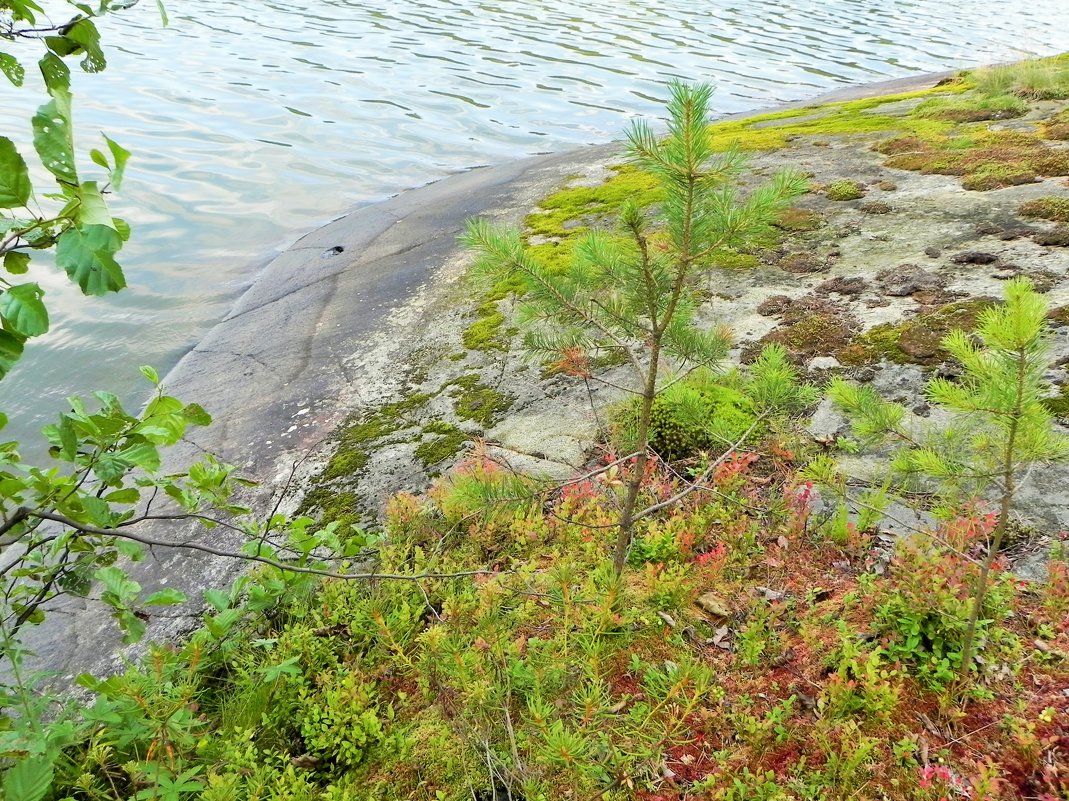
[975, 257]
[933, 253]
[905, 279]
[713, 604]
[823, 363]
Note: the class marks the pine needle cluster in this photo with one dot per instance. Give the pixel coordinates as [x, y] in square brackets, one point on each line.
[633, 291]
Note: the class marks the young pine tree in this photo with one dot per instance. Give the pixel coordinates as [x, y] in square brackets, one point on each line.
[1000, 425]
[634, 291]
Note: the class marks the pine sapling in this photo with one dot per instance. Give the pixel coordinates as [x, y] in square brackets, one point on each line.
[633, 292]
[1000, 425]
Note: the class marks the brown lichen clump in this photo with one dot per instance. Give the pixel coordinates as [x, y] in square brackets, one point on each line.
[799, 220]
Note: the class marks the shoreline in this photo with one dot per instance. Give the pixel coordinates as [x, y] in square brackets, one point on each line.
[317, 335]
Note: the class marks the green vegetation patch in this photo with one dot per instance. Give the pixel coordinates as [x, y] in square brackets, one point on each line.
[798, 220]
[975, 108]
[1057, 127]
[1051, 208]
[487, 332]
[700, 413]
[915, 341]
[1035, 79]
[984, 159]
[844, 190]
[478, 402]
[817, 334]
[776, 130]
[1058, 405]
[445, 442]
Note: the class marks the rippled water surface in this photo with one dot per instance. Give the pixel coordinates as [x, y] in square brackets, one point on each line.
[251, 123]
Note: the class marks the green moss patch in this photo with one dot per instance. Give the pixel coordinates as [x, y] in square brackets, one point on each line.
[844, 190]
[972, 109]
[1059, 404]
[1051, 208]
[478, 402]
[445, 442]
[818, 334]
[697, 414]
[984, 159]
[487, 332]
[776, 130]
[915, 341]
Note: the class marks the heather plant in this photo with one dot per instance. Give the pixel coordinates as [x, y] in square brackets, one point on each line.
[634, 293]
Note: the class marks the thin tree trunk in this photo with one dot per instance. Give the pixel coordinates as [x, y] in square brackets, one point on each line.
[634, 484]
[1005, 506]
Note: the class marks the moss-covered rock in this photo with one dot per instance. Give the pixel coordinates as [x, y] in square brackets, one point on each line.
[984, 159]
[844, 190]
[822, 333]
[1054, 208]
[441, 441]
[478, 402]
[918, 340]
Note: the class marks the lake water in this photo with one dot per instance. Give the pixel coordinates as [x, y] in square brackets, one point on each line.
[251, 124]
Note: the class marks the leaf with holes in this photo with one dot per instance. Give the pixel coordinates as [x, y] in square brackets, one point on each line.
[57, 75]
[87, 254]
[53, 137]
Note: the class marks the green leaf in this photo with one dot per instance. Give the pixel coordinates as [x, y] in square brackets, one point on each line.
[163, 13]
[15, 184]
[120, 155]
[143, 455]
[85, 34]
[28, 779]
[97, 510]
[57, 75]
[86, 253]
[149, 373]
[10, 351]
[53, 137]
[15, 72]
[218, 599]
[122, 226]
[92, 210]
[287, 668]
[99, 159]
[195, 414]
[16, 262]
[22, 310]
[128, 495]
[117, 583]
[166, 597]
